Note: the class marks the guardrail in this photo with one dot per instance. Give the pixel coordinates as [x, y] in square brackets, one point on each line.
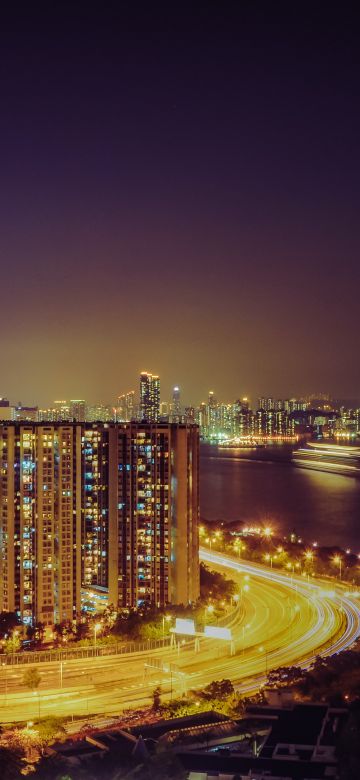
[117, 648]
[73, 653]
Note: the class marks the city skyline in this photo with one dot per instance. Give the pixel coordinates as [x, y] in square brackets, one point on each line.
[179, 193]
[131, 388]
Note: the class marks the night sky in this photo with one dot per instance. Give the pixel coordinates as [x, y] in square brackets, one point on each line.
[180, 194]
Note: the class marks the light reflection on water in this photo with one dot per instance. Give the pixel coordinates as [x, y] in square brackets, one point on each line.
[247, 487]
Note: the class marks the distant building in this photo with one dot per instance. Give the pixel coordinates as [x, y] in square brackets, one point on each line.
[59, 412]
[78, 411]
[29, 413]
[176, 405]
[268, 404]
[7, 412]
[149, 397]
[100, 412]
[125, 408]
[164, 410]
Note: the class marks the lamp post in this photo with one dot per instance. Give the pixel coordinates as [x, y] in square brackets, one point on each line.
[268, 558]
[5, 665]
[167, 618]
[97, 628]
[337, 559]
[61, 672]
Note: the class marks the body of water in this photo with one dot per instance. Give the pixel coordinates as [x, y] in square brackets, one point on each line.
[262, 486]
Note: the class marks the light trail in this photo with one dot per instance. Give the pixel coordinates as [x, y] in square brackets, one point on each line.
[283, 621]
[322, 636]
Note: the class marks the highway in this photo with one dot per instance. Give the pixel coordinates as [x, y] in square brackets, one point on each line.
[280, 620]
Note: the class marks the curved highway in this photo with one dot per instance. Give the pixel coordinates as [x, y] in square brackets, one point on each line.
[280, 621]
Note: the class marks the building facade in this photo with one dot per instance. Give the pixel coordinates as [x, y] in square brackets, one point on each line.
[149, 397]
[40, 521]
[154, 509]
[102, 504]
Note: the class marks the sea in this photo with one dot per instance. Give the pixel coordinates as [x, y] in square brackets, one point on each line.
[263, 487]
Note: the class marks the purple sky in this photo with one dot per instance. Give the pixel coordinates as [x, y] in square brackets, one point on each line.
[179, 194]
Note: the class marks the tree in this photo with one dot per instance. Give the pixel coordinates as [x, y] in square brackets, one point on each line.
[32, 679]
[36, 633]
[218, 689]
[64, 631]
[215, 584]
[8, 622]
[49, 729]
[156, 697]
[12, 644]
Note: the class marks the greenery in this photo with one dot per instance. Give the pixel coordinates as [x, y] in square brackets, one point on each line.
[217, 690]
[12, 644]
[49, 729]
[156, 698]
[335, 679]
[215, 585]
[8, 622]
[32, 679]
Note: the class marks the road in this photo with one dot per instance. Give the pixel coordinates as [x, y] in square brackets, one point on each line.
[281, 620]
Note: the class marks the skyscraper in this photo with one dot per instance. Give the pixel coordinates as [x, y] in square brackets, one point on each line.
[102, 504]
[78, 411]
[149, 397]
[176, 403]
[125, 410]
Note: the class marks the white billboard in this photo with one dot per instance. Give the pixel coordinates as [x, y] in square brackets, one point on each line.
[186, 627]
[216, 632]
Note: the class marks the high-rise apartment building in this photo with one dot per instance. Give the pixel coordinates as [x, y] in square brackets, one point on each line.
[268, 404]
[149, 397]
[154, 511]
[125, 410]
[100, 412]
[78, 410]
[102, 504]
[40, 521]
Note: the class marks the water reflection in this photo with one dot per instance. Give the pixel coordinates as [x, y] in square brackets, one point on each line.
[318, 505]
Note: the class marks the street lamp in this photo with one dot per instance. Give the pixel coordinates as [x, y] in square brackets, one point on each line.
[337, 560]
[5, 665]
[97, 628]
[239, 546]
[167, 618]
[61, 672]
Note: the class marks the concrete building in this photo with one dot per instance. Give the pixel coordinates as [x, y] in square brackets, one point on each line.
[125, 408]
[149, 397]
[40, 521]
[154, 512]
[78, 410]
[103, 504]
